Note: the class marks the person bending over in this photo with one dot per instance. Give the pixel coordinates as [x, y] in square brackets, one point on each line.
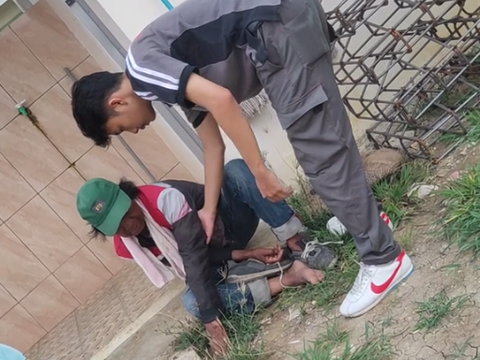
[207, 56]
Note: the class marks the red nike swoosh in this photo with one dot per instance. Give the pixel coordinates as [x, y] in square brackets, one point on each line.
[378, 289]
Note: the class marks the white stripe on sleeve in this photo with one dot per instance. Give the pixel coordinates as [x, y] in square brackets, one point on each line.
[173, 205]
[149, 80]
[153, 74]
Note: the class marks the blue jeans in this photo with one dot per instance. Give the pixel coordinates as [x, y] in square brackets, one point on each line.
[241, 207]
[235, 297]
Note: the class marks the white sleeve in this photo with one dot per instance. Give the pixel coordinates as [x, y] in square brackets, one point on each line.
[173, 205]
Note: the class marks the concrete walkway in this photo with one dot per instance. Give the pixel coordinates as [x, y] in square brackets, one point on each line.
[151, 341]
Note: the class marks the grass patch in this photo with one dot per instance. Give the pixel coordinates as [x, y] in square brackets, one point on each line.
[473, 134]
[393, 190]
[334, 334]
[406, 239]
[462, 217]
[433, 310]
[388, 322]
[190, 334]
[378, 348]
[242, 331]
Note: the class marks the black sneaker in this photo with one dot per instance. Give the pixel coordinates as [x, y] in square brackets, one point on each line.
[250, 270]
[314, 253]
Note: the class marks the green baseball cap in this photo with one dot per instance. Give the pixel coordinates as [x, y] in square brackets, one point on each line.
[103, 205]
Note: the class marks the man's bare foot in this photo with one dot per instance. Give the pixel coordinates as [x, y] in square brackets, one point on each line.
[300, 274]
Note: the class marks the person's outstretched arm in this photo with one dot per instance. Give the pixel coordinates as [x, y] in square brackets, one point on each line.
[164, 78]
[214, 155]
[226, 111]
[190, 237]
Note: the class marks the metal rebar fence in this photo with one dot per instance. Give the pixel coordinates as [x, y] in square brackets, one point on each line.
[412, 66]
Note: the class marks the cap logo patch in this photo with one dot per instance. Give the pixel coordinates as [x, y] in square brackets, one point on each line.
[98, 206]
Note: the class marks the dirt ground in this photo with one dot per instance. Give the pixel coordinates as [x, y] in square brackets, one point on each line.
[437, 267]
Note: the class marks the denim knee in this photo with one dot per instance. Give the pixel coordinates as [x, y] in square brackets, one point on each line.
[237, 298]
[190, 304]
[237, 169]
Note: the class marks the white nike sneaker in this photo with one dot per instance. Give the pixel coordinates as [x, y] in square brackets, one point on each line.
[373, 283]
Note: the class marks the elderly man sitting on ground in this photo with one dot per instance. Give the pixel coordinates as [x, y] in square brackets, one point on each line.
[158, 227]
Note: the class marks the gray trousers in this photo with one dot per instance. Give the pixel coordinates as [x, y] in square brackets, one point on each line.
[299, 79]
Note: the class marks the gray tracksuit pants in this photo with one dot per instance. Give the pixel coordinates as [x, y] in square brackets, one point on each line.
[299, 79]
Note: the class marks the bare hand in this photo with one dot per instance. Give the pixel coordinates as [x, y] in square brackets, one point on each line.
[208, 222]
[271, 187]
[268, 256]
[217, 338]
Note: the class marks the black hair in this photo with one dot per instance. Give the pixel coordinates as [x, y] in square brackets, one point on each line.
[89, 104]
[129, 188]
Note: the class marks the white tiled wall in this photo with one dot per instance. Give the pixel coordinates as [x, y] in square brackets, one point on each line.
[49, 267]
